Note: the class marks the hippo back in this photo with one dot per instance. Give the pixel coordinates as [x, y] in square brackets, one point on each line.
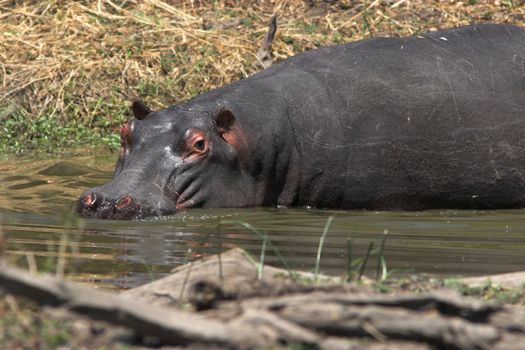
[434, 120]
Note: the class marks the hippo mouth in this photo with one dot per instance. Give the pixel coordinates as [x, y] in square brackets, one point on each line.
[93, 206]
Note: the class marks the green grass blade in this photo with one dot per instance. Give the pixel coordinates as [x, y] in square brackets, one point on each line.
[259, 234]
[220, 253]
[384, 270]
[349, 270]
[380, 258]
[320, 248]
[261, 260]
[185, 282]
[365, 260]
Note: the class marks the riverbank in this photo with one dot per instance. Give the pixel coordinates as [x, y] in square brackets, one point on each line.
[68, 73]
[224, 301]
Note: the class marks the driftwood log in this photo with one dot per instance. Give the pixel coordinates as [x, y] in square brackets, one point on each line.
[232, 275]
[505, 280]
[245, 310]
[172, 327]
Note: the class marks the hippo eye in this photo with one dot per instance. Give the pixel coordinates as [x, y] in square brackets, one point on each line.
[200, 145]
[196, 143]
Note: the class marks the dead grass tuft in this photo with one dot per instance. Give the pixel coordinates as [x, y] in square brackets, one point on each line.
[83, 61]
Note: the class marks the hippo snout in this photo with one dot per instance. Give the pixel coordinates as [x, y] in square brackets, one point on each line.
[96, 206]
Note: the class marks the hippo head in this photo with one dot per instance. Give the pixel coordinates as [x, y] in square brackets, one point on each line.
[176, 158]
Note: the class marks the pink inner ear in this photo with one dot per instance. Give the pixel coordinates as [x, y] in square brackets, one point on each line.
[237, 139]
[230, 137]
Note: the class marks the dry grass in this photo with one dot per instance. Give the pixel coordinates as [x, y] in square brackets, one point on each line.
[81, 62]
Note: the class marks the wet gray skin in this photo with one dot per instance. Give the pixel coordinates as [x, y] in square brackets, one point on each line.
[170, 160]
[427, 122]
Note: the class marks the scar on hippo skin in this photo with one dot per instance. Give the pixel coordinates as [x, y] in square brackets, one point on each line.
[140, 111]
[125, 134]
[125, 142]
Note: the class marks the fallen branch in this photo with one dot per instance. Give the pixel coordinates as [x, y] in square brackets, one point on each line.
[245, 312]
[234, 272]
[385, 323]
[505, 280]
[168, 326]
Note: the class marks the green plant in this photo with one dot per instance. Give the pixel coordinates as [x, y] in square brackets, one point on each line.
[320, 248]
[264, 237]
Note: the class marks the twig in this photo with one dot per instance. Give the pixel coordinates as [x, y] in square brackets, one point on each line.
[264, 55]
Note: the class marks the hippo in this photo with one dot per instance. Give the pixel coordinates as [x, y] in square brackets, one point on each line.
[423, 122]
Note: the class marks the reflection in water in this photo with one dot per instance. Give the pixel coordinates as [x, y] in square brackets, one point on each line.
[36, 197]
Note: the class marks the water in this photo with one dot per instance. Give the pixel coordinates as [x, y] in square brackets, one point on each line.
[36, 196]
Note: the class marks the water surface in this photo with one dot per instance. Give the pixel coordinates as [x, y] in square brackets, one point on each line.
[36, 196]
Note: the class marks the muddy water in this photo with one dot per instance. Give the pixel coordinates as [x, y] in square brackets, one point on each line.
[36, 196]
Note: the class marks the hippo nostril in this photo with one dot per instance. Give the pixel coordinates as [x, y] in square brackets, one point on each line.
[123, 202]
[90, 200]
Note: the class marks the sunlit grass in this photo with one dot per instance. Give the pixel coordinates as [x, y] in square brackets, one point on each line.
[68, 73]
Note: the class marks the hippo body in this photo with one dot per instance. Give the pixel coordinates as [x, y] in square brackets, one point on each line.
[430, 121]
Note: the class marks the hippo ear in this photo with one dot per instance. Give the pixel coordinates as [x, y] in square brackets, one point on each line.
[140, 110]
[224, 121]
[230, 130]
